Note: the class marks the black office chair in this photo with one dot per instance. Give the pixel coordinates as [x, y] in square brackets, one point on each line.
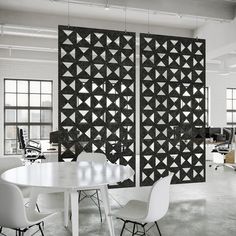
[31, 149]
[225, 147]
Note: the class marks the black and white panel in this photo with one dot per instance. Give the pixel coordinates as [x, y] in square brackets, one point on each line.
[172, 75]
[97, 94]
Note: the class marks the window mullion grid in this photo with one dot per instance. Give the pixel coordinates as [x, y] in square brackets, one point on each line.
[28, 108]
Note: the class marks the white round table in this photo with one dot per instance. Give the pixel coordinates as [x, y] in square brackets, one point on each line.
[70, 177]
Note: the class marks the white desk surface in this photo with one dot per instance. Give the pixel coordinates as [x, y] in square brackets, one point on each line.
[68, 175]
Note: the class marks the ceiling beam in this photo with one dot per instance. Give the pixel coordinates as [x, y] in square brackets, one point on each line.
[35, 24]
[37, 42]
[13, 54]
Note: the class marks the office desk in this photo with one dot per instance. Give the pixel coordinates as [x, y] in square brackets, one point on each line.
[209, 147]
[70, 177]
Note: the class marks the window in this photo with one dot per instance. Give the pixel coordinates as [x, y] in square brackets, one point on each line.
[207, 105]
[27, 104]
[231, 106]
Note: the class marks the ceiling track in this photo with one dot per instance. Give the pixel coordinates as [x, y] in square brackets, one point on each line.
[149, 11]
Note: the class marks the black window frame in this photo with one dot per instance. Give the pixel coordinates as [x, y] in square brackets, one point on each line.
[232, 111]
[207, 106]
[16, 108]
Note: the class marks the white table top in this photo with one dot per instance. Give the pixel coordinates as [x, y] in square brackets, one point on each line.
[68, 175]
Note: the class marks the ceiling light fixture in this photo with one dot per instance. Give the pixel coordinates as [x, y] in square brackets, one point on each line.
[107, 6]
[224, 68]
[125, 10]
[148, 21]
[28, 31]
[68, 13]
[233, 66]
[28, 48]
[2, 29]
[224, 73]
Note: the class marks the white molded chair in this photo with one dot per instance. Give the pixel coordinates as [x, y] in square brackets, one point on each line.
[7, 163]
[141, 213]
[92, 157]
[13, 213]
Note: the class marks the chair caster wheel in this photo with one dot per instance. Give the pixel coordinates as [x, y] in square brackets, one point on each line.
[210, 165]
[216, 168]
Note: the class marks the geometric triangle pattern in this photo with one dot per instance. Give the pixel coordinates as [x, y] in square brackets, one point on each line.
[172, 117]
[97, 94]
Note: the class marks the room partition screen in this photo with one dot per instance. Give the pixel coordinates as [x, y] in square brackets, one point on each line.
[97, 94]
[172, 78]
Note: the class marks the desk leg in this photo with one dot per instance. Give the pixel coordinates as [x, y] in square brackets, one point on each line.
[66, 208]
[34, 192]
[105, 198]
[75, 213]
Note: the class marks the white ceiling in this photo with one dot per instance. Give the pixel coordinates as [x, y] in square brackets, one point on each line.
[186, 14]
[167, 15]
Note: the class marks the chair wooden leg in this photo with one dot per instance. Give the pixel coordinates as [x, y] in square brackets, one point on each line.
[41, 230]
[121, 233]
[133, 230]
[158, 228]
[99, 207]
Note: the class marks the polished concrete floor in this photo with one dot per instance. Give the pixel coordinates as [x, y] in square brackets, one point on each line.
[203, 209]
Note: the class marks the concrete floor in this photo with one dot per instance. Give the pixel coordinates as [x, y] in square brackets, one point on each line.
[203, 209]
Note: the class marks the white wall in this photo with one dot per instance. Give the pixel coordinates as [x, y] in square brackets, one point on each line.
[217, 103]
[220, 38]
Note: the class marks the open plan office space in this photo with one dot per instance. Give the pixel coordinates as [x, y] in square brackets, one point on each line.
[118, 117]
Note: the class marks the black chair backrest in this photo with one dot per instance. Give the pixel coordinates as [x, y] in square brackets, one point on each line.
[21, 140]
[231, 135]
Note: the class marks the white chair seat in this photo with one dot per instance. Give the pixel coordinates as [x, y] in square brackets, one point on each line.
[141, 213]
[36, 217]
[14, 214]
[134, 210]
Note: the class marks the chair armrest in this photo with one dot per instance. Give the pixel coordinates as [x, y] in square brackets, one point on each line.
[34, 142]
[222, 144]
[32, 148]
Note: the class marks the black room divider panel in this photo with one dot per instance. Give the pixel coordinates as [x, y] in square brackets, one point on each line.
[97, 94]
[172, 73]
